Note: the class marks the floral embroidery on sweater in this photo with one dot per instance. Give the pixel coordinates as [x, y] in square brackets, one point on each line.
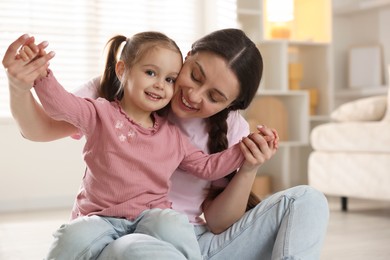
[122, 135]
[119, 124]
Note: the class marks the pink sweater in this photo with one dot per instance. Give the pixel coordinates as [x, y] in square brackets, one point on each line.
[128, 166]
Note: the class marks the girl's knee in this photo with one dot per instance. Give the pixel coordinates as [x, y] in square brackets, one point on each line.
[80, 235]
[163, 221]
[167, 217]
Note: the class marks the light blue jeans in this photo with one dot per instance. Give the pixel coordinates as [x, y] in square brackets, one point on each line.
[86, 237]
[288, 225]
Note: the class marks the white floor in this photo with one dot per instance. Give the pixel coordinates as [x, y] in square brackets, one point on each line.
[27, 235]
[361, 233]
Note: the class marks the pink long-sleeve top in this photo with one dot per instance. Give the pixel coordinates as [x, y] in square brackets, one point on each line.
[128, 166]
[187, 192]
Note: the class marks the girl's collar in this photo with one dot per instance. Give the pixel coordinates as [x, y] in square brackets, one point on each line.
[155, 117]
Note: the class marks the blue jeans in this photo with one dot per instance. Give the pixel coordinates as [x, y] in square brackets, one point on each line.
[288, 225]
[86, 237]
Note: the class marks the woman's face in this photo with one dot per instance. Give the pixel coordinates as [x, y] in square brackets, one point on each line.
[204, 87]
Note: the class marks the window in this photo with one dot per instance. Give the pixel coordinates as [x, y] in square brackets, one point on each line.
[77, 30]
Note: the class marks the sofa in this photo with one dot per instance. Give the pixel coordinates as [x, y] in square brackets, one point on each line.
[351, 154]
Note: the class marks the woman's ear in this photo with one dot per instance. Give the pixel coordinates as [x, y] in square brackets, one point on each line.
[120, 69]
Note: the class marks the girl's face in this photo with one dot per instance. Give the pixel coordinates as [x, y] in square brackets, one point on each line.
[149, 84]
[204, 87]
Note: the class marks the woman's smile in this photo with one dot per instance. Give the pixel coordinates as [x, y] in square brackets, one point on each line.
[187, 103]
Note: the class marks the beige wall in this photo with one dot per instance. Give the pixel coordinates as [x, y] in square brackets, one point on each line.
[37, 175]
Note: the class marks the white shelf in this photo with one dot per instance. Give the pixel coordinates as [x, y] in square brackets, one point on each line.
[276, 105]
[247, 11]
[250, 5]
[361, 92]
[291, 144]
[291, 115]
[359, 23]
[295, 42]
[353, 7]
[320, 118]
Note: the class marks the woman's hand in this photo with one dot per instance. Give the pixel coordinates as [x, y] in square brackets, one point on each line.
[31, 52]
[259, 147]
[24, 62]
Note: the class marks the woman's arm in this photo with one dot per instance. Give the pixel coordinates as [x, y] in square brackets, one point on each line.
[32, 120]
[230, 205]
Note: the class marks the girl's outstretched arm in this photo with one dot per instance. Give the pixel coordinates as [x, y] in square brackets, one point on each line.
[32, 120]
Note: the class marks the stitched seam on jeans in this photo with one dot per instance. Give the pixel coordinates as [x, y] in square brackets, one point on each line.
[288, 229]
[86, 250]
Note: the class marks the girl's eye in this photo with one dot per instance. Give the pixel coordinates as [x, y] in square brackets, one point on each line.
[171, 80]
[150, 73]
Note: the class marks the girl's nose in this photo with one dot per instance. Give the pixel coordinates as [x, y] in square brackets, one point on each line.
[159, 84]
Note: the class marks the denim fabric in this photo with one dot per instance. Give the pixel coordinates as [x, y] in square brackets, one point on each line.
[86, 237]
[290, 224]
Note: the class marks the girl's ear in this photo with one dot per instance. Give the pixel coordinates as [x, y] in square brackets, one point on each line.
[188, 55]
[120, 69]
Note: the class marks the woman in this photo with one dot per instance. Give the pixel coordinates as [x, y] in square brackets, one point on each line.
[287, 225]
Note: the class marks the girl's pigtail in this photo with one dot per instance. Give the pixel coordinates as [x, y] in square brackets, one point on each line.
[110, 85]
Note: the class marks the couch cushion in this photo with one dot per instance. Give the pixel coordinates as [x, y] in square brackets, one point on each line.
[352, 136]
[364, 109]
[387, 115]
[361, 175]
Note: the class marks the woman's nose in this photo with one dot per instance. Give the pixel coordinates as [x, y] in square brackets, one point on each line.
[195, 95]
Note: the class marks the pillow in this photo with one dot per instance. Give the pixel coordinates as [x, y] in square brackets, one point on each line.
[365, 109]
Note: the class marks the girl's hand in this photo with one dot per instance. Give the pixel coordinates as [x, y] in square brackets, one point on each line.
[28, 51]
[31, 52]
[270, 134]
[259, 147]
[21, 74]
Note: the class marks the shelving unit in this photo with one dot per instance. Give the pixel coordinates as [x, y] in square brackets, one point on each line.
[359, 22]
[250, 16]
[309, 44]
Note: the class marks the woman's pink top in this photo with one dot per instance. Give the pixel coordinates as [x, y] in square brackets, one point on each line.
[187, 192]
[128, 166]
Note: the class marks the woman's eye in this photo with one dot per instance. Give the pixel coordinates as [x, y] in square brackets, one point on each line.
[212, 98]
[150, 73]
[194, 77]
[171, 80]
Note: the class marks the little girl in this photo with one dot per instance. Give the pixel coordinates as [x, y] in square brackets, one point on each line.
[131, 151]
